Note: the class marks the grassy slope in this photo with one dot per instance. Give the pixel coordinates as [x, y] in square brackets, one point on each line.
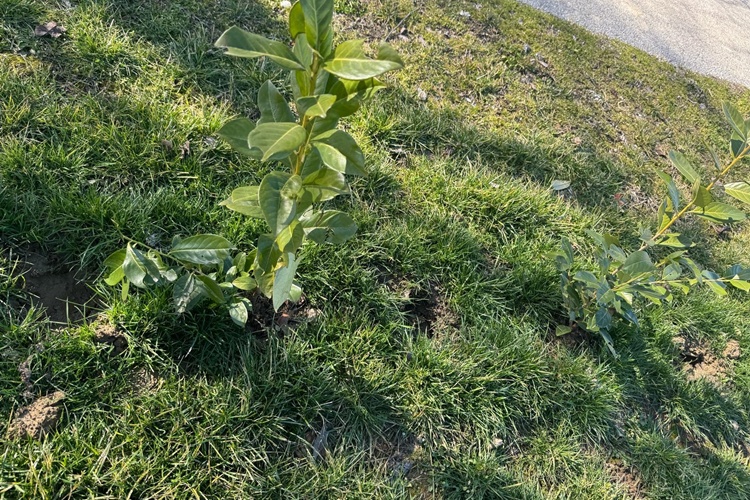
[489, 404]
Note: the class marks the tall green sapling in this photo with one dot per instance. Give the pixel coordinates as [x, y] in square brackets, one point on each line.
[328, 83]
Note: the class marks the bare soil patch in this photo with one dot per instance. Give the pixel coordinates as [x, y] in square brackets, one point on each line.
[625, 477]
[38, 418]
[700, 363]
[427, 309]
[60, 292]
[108, 334]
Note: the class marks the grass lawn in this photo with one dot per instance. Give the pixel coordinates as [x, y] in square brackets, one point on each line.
[427, 364]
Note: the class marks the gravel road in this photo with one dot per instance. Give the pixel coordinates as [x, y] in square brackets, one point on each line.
[708, 36]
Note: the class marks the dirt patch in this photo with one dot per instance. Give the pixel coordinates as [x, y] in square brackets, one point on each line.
[427, 309]
[64, 297]
[144, 381]
[625, 477]
[699, 363]
[38, 418]
[262, 319]
[109, 335]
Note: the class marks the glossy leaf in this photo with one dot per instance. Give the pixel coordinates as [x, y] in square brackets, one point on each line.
[277, 140]
[683, 165]
[638, 263]
[235, 132]
[318, 15]
[138, 269]
[296, 20]
[316, 106]
[340, 151]
[324, 184]
[202, 249]
[283, 281]
[245, 201]
[187, 293]
[738, 190]
[351, 63]
[273, 107]
[277, 196]
[211, 289]
[735, 119]
[240, 43]
[330, 226]
[720, 212]
[238, 312]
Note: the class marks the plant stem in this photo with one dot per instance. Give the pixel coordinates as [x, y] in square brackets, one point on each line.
[690, 205]
[308, 123]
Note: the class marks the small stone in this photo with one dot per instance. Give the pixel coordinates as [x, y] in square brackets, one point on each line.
[421, 95]
[464, 13]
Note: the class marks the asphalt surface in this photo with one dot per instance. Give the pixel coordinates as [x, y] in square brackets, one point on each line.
[707, 36]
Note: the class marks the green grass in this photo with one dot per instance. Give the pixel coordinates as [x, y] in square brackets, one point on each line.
[456, 215]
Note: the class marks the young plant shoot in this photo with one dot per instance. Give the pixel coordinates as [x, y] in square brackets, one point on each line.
[593, 298]
[312, 157]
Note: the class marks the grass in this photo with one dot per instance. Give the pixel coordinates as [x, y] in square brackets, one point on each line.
[456, 218]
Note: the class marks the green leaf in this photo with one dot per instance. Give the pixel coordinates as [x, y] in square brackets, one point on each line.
[738, 190]
[296, 20]
[187, 293]
[740, 285]
[315, 106]
[117, 275]
[340, 151]
[235, 132]
[735, 119]
[638, 263]
[239, 42]
[212, 289]
[278, 199]
[672, 271]
[737, 145]
[561, 330]
[386, 52]
[273, 107]
[351, 63]
[720, 212]
[318, 15]
[245, 201]
[115, 259]
[246, 283]
[586, 277]
[290, 238]
[202, 249]
[139, 269]
[283, 281]
[674, 193]
[676, 240]
[277, 140]
[712, 280]
[683, 165]
[238, 312]
[330, 226]
[701, 196]
[324, 184]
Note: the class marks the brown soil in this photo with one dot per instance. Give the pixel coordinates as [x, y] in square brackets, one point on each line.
[625, 477]
[701, 363]
[262, 319]
[427, 309]
[38, 418]
[64, 297]
[144, 381]
[108, 334]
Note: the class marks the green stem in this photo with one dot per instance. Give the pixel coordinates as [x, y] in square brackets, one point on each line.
[690, 205]
[308, 122]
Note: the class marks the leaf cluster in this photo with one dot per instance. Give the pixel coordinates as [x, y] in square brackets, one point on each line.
[595, 298]
[328, 83]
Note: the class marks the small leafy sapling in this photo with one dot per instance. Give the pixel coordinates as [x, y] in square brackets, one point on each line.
[328, 83]
[595, 298]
